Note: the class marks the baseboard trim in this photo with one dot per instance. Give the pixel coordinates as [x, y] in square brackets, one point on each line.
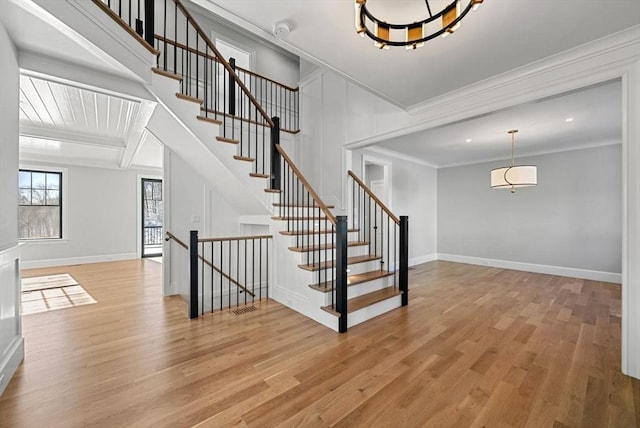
[535, 268]
[422, 259]
[11, 361]
[76, 260]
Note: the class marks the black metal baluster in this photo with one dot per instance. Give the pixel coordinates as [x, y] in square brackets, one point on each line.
[213, 261]
[221, 270]
[175, 38]
[237, 272]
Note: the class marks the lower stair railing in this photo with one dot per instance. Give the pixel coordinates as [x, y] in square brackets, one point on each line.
[319, 235]
[226, 272]
[386, 234]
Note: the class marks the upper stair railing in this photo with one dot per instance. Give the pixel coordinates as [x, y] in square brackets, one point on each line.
[276, 98]
[386, 233]
[229, 96]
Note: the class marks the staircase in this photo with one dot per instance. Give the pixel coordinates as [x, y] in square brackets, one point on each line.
[338, 270]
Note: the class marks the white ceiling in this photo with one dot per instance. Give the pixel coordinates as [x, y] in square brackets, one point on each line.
[86, 127]
[501, 35]
[595, 119]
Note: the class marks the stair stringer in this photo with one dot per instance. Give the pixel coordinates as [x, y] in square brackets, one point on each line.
[213, 158]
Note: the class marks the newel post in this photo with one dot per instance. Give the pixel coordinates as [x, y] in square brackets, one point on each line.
[341, 271]
[275, 155]
[193, 272]
[232, 88]
[404, 259]
[149, 18]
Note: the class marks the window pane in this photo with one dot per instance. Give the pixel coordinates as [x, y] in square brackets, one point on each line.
[53, 197]
[148, 190]
[25, 179]
[53, 181]
[39, 222]
[38, 180]
[24, 197]
[37, 197]
[157, 191]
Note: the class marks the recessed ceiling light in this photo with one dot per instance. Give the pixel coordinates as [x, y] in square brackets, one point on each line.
[468, 140]
[569, 119]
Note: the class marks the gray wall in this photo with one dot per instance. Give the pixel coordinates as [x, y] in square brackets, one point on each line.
[414, 194]
[571, 219]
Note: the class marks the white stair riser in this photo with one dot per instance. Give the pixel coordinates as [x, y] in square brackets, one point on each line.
[373, 311]
[329, 254]
[361, 289]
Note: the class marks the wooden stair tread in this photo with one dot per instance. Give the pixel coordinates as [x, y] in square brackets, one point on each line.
[272, 190]
[311, 232]
[228, 140]
[258, 175]
[331, 263]
[166, 73]
[326, 246]
[244, 158]
[365, 300]
[277, 204]
[209, 119]
[327, 286]
[189, 98]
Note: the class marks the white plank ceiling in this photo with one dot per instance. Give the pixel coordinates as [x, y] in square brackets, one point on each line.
[67, 124]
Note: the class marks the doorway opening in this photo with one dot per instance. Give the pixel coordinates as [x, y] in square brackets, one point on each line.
[377, 176]
[152, 217]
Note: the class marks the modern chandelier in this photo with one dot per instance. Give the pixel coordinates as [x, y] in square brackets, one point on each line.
[515, 175]
[414, 34]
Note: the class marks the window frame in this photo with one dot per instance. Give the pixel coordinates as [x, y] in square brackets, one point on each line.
[63, 200]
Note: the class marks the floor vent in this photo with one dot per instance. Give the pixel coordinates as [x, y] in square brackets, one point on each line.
[243, 310]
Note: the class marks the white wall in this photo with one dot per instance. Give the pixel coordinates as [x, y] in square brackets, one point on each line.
[101, 207]
[269, 60]
[323, 125]
[190, 204]
[11, 341]
[571, 219]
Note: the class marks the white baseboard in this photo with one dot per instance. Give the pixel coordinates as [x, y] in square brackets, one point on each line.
[531, 267]
[422, 259]
[12, 359]
[76, 260]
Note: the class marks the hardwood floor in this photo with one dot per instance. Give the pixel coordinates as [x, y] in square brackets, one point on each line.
[476, 347]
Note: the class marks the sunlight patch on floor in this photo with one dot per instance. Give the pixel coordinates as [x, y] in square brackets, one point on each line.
[52, 292]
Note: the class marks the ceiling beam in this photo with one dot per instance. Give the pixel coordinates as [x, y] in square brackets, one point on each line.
[137, 133]
[72, 137]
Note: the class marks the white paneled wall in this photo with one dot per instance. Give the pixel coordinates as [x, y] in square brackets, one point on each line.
[11, 341]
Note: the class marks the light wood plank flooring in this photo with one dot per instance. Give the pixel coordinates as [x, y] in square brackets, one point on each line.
[477, 347]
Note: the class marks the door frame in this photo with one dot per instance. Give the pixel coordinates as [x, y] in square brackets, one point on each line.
[139, 212]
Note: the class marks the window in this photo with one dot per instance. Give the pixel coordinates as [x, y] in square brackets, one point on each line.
[40, 204]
